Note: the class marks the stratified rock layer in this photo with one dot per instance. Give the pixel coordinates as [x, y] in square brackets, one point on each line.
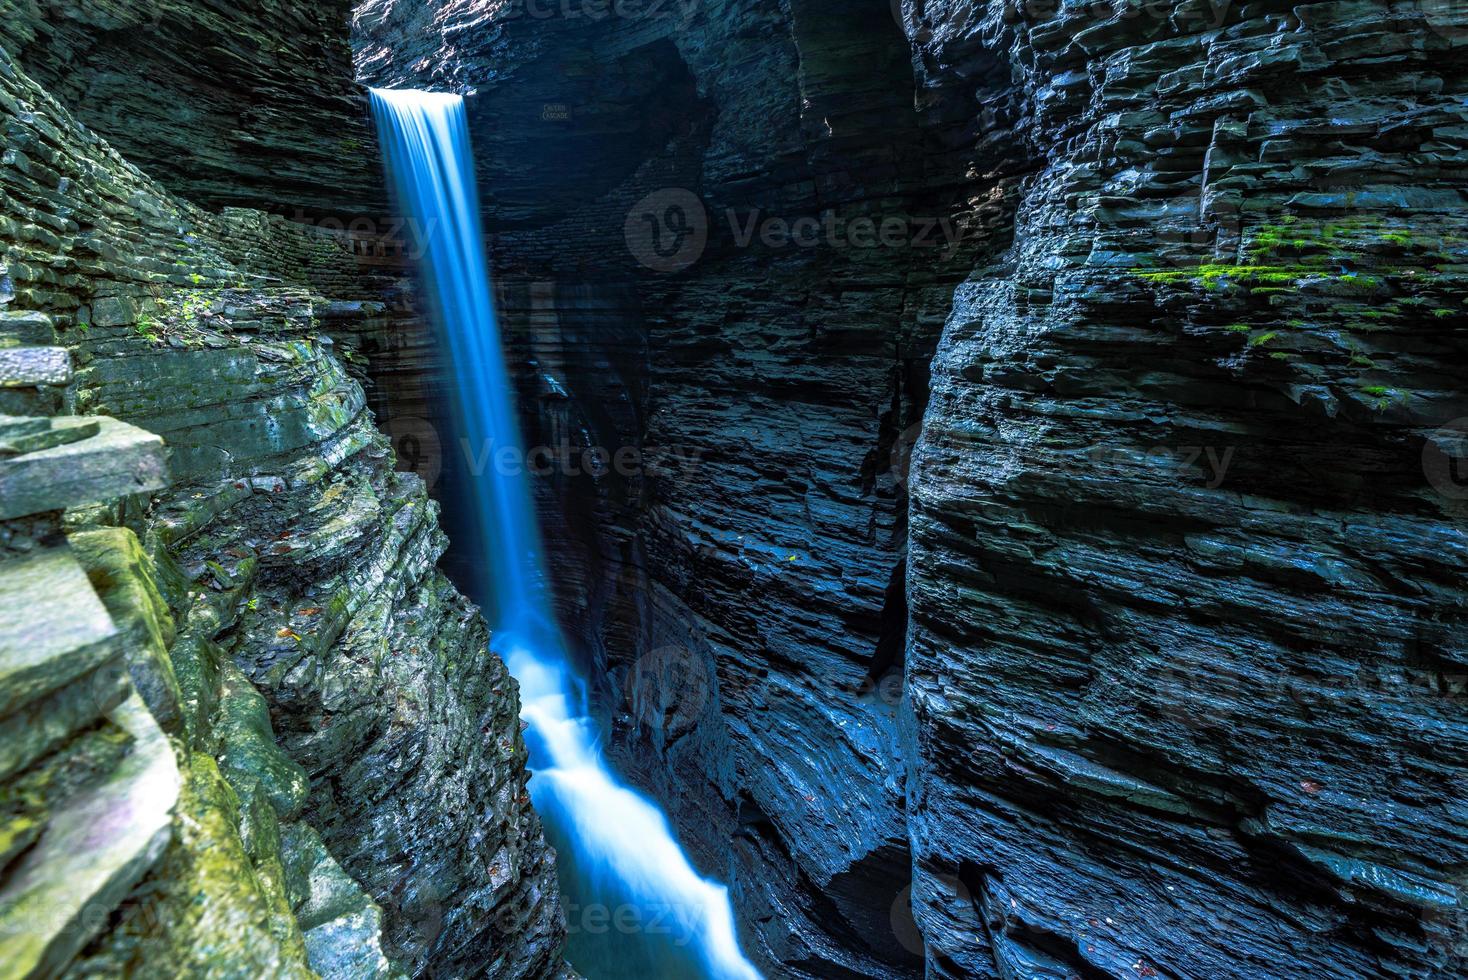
[1186, 582]
[249, 102]
[350, 777]
[1170, 671]
[730, 565]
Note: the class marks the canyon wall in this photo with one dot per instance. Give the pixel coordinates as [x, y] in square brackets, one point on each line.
[1143, 662]
[1184, 671]
[251, 728]
[224, 102]
[1166, 682]
[730, 568]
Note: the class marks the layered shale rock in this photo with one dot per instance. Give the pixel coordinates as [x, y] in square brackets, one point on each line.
[1186, 578]
[248, 102]
[348, 775]
[1170, 677]
[721, 296]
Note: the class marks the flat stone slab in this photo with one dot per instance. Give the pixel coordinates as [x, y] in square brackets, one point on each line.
[51, 433]
[15, 426]
[120, 459]
[91, 854]
[53, 628]
[26, 329]
[34, 367]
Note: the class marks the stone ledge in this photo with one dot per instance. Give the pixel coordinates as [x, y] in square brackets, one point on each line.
[54, 630]
[34, 435]
[26, 329]
[91, 855]
[121, 459]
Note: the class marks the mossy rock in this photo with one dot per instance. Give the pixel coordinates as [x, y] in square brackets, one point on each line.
[27, 800]
[196, 666]
[342, 924]
[247, 748]
[122, 575]
[203, 912]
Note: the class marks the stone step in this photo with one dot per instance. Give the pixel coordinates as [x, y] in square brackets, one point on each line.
[120, 459]
[26, 329]
[90, 855]
[34, 367]
[341, 924]
[51, 433]
[14, 426]
[54, 630]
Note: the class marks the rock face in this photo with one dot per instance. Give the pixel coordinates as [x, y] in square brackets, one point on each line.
[1182, 664]
[731, 567]
[348, 791]
[250, 102]
[1165, 683]
[1147, 665]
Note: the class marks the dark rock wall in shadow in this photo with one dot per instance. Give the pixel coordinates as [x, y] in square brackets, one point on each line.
[225, 102]
[1186, 583]
[725, 238]
[1146, 666]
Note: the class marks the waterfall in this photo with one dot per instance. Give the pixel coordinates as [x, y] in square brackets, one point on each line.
[637, 908]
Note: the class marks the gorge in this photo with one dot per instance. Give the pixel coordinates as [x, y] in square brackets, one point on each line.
[997, 476]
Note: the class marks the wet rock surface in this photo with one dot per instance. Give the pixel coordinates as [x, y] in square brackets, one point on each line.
[1185, 582]
[1164, 683]
[347, 775]
[719, 409]
[244, 103]
[1145, 666]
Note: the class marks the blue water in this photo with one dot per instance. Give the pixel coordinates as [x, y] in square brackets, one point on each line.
[636, 908]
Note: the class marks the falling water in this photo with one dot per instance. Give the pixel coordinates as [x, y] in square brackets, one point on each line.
[635, 905]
